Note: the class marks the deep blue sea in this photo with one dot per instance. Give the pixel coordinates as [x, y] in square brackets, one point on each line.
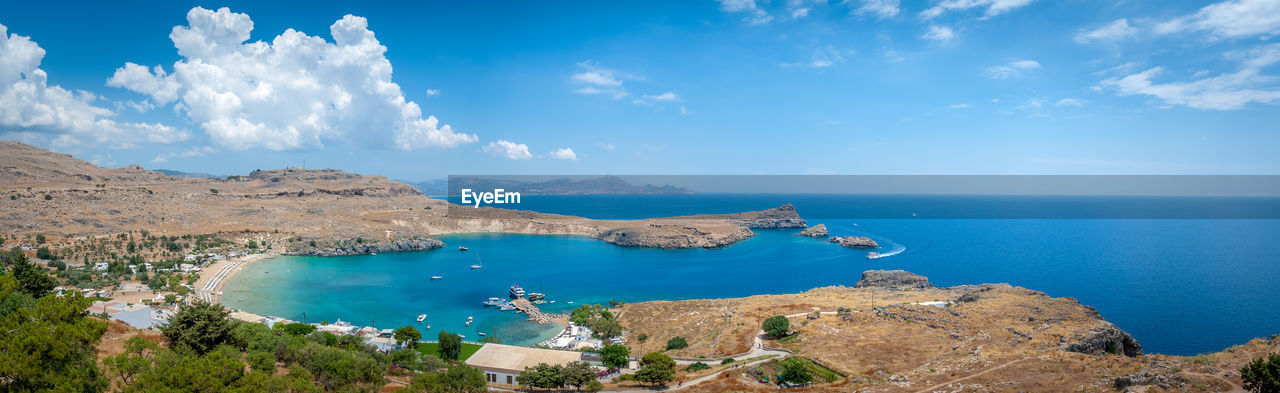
[1194, 283]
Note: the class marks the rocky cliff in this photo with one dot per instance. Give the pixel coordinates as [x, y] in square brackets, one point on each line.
[365, 248]
[854, 241]
[819, 230]
[893, 279]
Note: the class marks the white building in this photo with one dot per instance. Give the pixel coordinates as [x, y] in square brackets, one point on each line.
[100, 266]
[136, 315]
[501, 363]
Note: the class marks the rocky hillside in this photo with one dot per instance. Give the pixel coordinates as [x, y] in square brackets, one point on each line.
[902, 334]
[304, 211]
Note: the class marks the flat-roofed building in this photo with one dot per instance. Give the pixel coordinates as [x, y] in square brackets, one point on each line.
[501, 363]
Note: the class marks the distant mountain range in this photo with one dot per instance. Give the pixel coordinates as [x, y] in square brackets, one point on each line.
[562, 186]
[174, 173]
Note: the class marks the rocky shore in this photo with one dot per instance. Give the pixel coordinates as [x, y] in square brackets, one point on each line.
[819, 230]
[854, 241]
[365, 248]
[893, 279]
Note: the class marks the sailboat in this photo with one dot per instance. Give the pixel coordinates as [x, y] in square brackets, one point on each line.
[477, 265]
[437, 277]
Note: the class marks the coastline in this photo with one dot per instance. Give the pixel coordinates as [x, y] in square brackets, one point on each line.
[209, 286]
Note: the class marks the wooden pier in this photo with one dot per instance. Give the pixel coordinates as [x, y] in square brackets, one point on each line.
[534, 313]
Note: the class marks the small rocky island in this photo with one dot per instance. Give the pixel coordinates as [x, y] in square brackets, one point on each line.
[854, 241]
[819, 230]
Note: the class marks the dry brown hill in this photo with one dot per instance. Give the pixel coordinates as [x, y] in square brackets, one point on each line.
[304, 211]
[991, 338]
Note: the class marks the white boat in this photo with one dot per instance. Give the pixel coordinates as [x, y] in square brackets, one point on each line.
[373, 253]
[422, 317]
[461, 248]
[507, 307]
[476, 266]
[495, 302]
[874, 255]
[437, 277]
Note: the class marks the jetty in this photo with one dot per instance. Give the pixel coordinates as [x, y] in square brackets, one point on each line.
[534, 313]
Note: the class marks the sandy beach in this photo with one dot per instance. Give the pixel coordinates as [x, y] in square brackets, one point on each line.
[217, 274]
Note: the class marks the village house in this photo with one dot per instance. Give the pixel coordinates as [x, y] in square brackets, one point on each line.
[501, 363]
[136, 315]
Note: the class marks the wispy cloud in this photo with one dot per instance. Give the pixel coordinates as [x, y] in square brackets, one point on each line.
[1109, 33]
[1012, 69]
[753, 15]
[1229, 19]
[594, 79]
[822, 58]
[1226, 91]
[1076, 102]
[993, 7]
[193, 152]
[882, 9]
[939, 33]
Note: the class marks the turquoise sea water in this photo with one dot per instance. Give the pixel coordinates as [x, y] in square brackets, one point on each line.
[1180, 286]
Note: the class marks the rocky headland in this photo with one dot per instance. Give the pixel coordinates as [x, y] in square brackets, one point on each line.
[896, 332]
[854, 241]
[819, 230]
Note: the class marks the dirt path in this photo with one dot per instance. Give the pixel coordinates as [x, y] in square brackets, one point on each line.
[979, 374]
[1234, 388]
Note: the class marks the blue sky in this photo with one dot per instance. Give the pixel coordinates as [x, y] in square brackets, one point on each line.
[679, 87]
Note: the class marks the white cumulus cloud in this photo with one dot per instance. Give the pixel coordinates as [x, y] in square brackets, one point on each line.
[1229, 19]
[993, 7]
[33, 110]
[294, 92]
[1226, 91]
[564, 154]
[1012, 69]
[508, 149]
[1111, 32]
[939, 33]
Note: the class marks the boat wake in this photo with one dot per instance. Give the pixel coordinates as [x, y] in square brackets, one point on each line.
[894, 248]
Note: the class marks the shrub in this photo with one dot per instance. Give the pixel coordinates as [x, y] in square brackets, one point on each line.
[697, 366]
[642, 337]
[677, 343]
[1262, 376]
[726, 361]
[262, 361]
[777, 326]
[48, 197]
[213, 190]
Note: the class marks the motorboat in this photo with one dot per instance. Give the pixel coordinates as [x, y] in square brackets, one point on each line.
[495, 302]
[461, 248]
[437, 277]
[422, 317]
